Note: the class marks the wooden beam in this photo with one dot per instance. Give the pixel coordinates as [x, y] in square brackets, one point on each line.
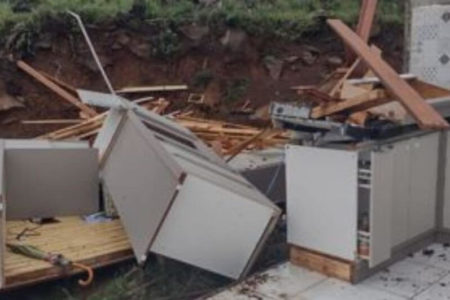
[149, 89]
[426, 116]
[55, 88]
[337, 87]
[364, 28]
[51, 121]
[61, 83]
[370, 99]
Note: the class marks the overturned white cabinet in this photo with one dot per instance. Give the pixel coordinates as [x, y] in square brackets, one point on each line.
[356, 205]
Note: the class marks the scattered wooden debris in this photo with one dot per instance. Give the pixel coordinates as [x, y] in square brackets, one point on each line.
[425, 115]
[229, 135]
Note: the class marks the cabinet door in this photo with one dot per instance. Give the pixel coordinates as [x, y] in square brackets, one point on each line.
[322, 200]
[447, 186]
[381, 196]
[423, 176]
[401, 193]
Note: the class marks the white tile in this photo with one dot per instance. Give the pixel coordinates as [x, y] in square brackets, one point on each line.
[439, 291]
[288, 280]
[405, 278]
[333, 289]
[281, 282]
[436, 255]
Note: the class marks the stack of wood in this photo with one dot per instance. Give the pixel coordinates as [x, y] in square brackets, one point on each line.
[226, 136]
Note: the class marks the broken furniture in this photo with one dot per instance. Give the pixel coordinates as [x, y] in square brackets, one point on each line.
[177, 198]
[42, 179]
[265, 169]
[45, 179]
[352, 211]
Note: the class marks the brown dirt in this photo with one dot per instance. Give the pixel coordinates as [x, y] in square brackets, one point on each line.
[68, 59]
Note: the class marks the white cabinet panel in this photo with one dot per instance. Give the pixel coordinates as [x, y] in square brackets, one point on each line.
[400, 193]
[322, 200]
[380, 206]
[423, 163]
[447, 186]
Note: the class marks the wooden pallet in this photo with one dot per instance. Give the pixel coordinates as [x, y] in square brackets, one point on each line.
[327, 265]
[95, 245]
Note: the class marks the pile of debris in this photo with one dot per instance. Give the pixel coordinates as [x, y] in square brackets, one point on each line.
[164, 183]
[348, 107]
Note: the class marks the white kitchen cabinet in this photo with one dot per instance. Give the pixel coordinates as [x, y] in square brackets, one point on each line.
[379, 195]
[328, 190]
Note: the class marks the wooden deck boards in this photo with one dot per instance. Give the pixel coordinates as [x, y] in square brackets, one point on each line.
[93, 244]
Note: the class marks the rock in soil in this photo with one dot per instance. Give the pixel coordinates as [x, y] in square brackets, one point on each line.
[334, 61]
[274, 65]
[234, 40]
[141, 50]
[195, 32]
[309, 58]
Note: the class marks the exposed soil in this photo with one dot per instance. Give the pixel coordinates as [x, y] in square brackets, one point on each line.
[128, 63]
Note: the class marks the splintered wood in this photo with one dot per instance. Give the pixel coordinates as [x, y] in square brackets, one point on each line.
[228, 135]
[426, 116]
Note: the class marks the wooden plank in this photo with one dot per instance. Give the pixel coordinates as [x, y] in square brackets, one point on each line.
[327, 265]
[370, 99]
[52, 122]
[239, 148]
[364, 28]
[341, 82]
[425, 115]
[55, 88]
[149, 89]
[61, 83]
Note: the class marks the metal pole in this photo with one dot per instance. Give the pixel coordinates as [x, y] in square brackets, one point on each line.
[96, 58]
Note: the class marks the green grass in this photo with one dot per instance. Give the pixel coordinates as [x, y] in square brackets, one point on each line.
[281, 18]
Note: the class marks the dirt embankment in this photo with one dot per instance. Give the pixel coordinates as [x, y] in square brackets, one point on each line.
[230, 67]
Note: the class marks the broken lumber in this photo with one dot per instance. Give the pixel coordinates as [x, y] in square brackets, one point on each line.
[51, 122]
[362, 102]
[149, 89]
[55, 88]
[61, 83]
[364, 28]
[426, 116]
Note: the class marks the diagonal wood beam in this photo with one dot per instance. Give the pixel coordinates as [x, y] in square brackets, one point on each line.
[370, 99]
[426, 116]
[365, 23]
[57, 89]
